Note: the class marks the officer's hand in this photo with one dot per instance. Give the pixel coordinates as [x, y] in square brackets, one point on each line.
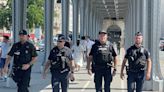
[25, 66]
[89, 72]
[72, 77]
[122, 76]
[147, 76]
[44, 75]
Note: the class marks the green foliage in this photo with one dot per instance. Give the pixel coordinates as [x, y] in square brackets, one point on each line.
[5, 16]
[35, 12]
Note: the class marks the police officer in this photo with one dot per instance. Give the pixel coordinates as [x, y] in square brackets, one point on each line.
[101, 56]
[138, 58]
[24, 57]
[61, 66]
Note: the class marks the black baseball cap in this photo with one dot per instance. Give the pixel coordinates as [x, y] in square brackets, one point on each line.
[61, 38]
[102, 32]
[138, 34]
[23, 32]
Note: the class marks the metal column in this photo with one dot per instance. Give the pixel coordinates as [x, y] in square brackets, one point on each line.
[48, 23]
[96, 17]
[138, 15]
[154, 40]
[94, 26]
[97, 25]
[18, 17]
[87, 17]
[144, 19]
[133, 17]
[82, 17]
[131, 23]
[101, 23]
[65, 17]
[151, 29]
[90, 22]
[75, 20]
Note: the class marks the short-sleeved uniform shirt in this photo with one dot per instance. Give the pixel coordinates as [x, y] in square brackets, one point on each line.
[22, 53]
[56, 50]
[95, 49]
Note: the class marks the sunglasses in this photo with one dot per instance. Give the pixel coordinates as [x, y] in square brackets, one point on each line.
[59, 41]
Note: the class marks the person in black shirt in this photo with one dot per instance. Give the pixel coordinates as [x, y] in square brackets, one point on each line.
[101, 56]
[61, 66]
[24, 57]
[138, 58]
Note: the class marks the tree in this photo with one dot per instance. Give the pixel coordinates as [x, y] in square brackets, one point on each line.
[35, 14]
[5, 15]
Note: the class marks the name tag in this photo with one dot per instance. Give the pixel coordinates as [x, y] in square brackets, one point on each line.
[102, 49]
[17, 53]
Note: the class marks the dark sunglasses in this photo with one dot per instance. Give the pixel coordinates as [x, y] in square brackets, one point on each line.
[59, 41]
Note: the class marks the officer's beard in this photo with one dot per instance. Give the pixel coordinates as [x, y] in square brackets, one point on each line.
[138, 45]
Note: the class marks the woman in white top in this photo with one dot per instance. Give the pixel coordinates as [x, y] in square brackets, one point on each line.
[78, 51]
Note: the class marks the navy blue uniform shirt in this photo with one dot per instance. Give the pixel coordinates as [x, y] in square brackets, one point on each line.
[22, 53]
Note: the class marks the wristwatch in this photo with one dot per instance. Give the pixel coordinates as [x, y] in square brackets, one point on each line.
[115, 69]
[72, 72]
[30, 64]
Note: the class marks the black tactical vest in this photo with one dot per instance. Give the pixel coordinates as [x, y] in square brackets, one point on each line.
[103, 55]
[59, 61]
[137, 60]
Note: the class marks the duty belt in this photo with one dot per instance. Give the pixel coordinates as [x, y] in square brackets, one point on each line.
[14, 68]
[134, 70]
[61, 71]
[17, 67]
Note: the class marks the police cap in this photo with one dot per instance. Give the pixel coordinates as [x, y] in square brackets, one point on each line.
[23, 32]
[102, 32]
[138, 34]
[61, 38]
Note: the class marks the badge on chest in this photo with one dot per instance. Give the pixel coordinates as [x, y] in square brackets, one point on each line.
[100, 48]
[17, 53]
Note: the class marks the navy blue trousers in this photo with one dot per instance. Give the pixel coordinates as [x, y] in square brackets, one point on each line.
[60, 78]
[99, 75]
[135, 78]
[22, 78]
